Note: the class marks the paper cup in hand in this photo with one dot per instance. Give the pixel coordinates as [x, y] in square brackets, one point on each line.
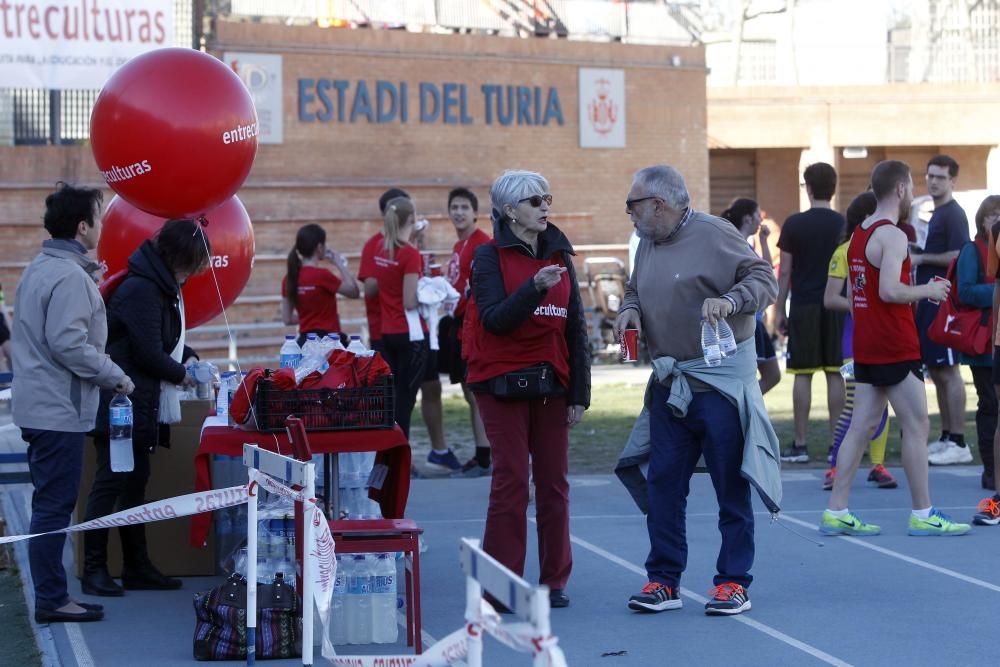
[936, 279]
[629, 340]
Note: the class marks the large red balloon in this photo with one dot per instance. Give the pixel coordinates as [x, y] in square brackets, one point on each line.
[174, 131]
[229, 232]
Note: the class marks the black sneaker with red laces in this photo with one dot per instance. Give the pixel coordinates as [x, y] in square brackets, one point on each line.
[727, 599]
[655, 597]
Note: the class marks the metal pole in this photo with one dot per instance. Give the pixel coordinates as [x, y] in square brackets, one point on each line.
[473, 611]
[252, 571]
[307, 568]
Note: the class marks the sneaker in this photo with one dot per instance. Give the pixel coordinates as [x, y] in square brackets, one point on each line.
[950, 454]
[936, 446]
[937, 524]
[882, 477]
[655, 597]
[727, 599]
[987, 512]
[472, 468]
[445, 460]
[795, 454]
[828, 478]
[849, 524]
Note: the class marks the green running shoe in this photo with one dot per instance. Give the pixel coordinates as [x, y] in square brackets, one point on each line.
[938, 523]
[849, 524]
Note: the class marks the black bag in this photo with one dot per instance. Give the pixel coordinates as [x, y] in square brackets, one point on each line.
[527, 383]
[220, 631]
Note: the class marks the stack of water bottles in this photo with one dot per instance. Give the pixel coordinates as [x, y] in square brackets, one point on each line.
[717, 342]
[364, 600]
[275, 545]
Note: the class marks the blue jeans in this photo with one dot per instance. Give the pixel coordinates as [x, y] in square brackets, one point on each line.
[711, 427]
[55, 461]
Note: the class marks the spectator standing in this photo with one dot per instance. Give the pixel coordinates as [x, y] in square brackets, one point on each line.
[366, 269]
[887, 358]
[309, 291]
[462, 209]
[836, 298]
[692, 267]
[526, 316]
[947, 234]
[807, 242]
[988, 511]
[60, 366]
[4, 335]
[146, 338]
[744, 214]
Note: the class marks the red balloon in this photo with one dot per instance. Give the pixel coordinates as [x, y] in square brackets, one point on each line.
[174, 131]
[230, 235]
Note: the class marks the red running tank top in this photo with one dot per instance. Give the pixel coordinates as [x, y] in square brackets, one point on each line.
[884, 333]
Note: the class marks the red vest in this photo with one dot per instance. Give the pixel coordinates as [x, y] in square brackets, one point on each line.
[884, 333]
[541, 338]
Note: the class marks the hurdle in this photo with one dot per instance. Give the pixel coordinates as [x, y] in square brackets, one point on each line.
[300, 474]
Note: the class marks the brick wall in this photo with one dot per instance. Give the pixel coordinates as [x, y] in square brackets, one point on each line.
[332, 173]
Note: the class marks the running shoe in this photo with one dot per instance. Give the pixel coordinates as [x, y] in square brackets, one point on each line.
[472, 468]
[879, 475]
[655, 597]
[828, 479]
[795, 454]
[936, 446]
[987, 512]
[937, 524]
[950, 454]
[445, 459]
[727, 599]
[849, 524]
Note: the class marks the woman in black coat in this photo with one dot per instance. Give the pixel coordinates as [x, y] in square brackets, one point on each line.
[145, 336]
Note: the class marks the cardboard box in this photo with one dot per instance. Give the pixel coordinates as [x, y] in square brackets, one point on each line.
[171, 474]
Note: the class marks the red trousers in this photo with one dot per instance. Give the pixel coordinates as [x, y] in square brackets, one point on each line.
[517, 429]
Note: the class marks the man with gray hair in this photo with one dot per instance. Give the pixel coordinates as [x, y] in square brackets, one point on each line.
[692, 268]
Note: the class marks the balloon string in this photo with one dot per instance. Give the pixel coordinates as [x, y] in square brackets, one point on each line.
[229, 332]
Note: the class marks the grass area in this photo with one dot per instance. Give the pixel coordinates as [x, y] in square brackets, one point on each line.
[596, 443]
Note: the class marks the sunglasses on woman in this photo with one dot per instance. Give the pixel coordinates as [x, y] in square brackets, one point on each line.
[536, 200]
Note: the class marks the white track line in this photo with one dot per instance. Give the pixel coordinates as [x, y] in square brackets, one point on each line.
[862, 542]
[745, 620]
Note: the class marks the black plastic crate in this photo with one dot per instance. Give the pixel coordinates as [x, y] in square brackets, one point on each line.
[324, 409]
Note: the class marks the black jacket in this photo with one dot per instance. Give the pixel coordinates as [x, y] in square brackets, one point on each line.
[501, 313]
[144, 325]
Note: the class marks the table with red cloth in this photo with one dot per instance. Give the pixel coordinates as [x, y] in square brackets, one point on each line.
[390, 446]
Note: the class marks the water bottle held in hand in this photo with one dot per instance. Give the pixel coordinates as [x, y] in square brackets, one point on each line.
[847, 370]
[727, 341]
[710, 344]
[121, 434]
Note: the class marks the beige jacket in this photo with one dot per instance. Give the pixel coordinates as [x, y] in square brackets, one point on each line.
[705, 258]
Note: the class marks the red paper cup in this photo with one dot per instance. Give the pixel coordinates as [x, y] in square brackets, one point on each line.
[435, 269]
[629, 341]
[936, 279]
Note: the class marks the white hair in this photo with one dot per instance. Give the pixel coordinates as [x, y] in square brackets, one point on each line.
[513, 186]
[665, 182]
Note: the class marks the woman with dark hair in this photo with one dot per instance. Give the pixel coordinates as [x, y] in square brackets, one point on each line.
[525, 342]
[835, 298]
[146, 338]
[744, 214]
[308, 291]
[398, 267]
[975, 288]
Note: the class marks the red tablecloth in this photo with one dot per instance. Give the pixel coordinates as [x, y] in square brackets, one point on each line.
[390, 445]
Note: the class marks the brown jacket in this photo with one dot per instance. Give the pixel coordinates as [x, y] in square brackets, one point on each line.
[706, 258]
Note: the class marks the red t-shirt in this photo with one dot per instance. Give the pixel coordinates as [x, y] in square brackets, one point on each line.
[884, 333]
[389, 274]
[317, 299]
[367, 270]
[460, 266]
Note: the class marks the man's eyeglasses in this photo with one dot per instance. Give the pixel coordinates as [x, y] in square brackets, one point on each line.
[536, 200]
[630, 203]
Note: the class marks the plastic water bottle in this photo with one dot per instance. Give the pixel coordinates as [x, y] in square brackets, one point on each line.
[356, 346]
[710, 344]
[121, 434]
[333, 341]
[291, 353]
[727, 341]
[359, 602]
[338, 620]
[400, 580]
[847, 370]
[384, 627]
[225, 387]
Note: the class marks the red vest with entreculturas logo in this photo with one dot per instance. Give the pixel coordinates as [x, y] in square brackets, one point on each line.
[541, 338]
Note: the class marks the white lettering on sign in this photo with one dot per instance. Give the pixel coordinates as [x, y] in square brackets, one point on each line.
[241, 133]
[116, 173]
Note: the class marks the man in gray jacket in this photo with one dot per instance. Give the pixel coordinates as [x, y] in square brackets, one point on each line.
[692, 267]
[58, 337]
